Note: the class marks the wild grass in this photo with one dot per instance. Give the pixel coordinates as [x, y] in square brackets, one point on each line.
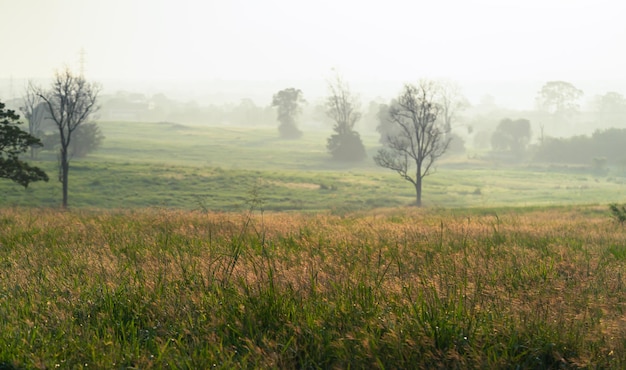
[156, 288]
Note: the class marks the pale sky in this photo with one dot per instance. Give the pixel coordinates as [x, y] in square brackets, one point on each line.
[265, 40]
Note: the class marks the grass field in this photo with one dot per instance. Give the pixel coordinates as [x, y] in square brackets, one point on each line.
[402, 288]
[191, 167]
[214, 247]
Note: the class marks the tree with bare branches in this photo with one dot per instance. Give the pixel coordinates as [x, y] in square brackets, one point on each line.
[418, 138]
[342, 107]
[71, 101]
[452, 102]
[34, 111]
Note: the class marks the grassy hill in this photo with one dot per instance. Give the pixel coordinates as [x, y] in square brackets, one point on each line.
[202, 167]
[314, 265]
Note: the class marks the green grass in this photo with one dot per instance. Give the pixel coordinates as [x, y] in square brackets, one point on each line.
[192, 167]
[540, 288]
[503, 269]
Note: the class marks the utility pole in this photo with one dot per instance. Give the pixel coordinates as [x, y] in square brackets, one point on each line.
[81, 61]
[11, 91]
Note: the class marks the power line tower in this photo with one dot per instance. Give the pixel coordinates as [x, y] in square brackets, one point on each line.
[11, 90]
[81, 61]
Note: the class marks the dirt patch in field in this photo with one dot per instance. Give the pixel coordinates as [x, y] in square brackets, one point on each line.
[294, 185]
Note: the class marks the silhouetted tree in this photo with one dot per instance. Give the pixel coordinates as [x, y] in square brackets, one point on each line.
[34, 111]
[386, 126]
[611, 109]
[451, 101]
[13, 142]
[418, 139]
[512, 135]
[87, 138]
[71, 101]
[288, 103]
[559, 98]
[342, 108]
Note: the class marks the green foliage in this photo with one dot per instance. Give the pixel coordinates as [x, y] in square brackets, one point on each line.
[618, 213]
[86, 139]
[346, 147]
[13, 142]
[512, 135]
[582, 149]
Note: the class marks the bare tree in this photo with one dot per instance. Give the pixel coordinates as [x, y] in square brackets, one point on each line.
[452, 102]
[342, 107]
[34, 112]
[71, 101]
[419, 139]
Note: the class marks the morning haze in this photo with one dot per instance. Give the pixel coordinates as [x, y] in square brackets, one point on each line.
[513, 83]
[312, 184]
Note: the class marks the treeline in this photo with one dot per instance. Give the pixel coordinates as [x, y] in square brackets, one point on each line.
[602, 147]
[125, 106]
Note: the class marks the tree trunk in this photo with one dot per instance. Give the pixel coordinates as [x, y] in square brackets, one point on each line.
[418, 191]
[65, 169]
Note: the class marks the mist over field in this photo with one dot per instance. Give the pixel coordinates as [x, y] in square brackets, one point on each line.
[524, 87]
[312, 184]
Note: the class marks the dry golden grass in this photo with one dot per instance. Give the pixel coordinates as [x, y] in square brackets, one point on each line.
[549, 272]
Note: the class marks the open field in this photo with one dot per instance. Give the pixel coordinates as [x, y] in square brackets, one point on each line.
[506, 267]
[199, 167]
[402, 288]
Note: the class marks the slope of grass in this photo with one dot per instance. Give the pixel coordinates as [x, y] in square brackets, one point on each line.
[494, 288]
[191, 167]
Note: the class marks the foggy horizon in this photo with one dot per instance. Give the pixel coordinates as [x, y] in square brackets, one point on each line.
[488, 47]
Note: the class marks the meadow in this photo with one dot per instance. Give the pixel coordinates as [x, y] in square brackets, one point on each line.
[201, 167]
[391, 288]
[223, 247]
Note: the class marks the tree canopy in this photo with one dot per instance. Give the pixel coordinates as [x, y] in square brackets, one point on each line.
[512, 135]
[559, 98]
[288, 102]
[13, 142]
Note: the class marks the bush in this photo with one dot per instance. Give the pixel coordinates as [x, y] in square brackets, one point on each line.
[618, 213]
[346, 147]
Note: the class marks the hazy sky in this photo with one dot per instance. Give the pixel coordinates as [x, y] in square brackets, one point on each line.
[391, 40]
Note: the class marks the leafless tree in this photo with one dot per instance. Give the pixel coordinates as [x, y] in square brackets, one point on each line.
[342, 107]
[71, 101]
[33, 112]
[452, 101]
[420, 139]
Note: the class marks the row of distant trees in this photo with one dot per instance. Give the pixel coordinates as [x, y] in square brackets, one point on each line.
[415, 127]
[558, 108]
